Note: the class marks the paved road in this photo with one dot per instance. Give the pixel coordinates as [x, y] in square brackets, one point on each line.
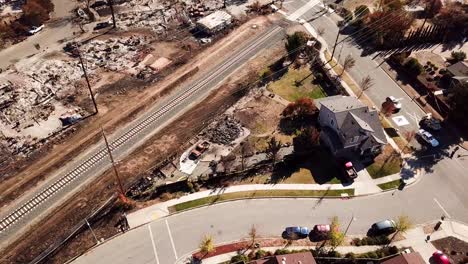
[178, 235]
[365, 65]
[94, 161]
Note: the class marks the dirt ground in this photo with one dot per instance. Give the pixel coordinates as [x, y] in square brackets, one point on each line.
[454, 248]
[352, 4]
[168, 141]
[137, 96]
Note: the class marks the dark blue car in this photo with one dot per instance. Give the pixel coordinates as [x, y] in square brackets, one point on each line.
[296, 232]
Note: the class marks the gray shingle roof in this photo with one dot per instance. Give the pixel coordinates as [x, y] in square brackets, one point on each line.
[459, 69]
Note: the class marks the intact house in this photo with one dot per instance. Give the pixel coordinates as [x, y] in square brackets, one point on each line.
[459, 73]
[349, 128]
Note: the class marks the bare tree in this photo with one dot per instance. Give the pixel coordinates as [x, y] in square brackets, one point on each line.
[320, 31]
[227, 162]
[253, 234]
[349, 62]
[273, 149]
[366, 83]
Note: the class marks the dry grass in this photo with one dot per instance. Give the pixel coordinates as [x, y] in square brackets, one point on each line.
[387, 163]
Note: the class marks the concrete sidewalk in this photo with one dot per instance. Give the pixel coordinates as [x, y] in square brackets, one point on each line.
[364, 185]
[414, 238]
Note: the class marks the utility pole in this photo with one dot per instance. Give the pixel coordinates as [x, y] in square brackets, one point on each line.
[111, 6]
[90, 228]
[349, 224]
[116, 173]
[87, 79]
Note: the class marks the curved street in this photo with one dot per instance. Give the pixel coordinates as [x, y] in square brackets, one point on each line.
[175, 237]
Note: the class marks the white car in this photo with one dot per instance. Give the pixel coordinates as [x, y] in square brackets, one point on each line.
[426, 136]
[34, 30]
[396, 103]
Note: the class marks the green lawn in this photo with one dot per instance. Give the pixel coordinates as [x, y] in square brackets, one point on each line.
[286, 86]
[387, 163]
[390, 185]
[257, 194]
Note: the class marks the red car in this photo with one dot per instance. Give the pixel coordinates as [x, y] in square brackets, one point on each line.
[440, 258]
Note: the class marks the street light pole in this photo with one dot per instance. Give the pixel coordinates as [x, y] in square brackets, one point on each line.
[116, 173]
[87, 79]
[349, 224]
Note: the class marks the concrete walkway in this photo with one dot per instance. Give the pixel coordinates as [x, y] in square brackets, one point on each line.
[414, 238]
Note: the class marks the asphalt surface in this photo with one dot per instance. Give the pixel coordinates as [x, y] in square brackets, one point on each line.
[176, 236]
[92, 163]
[440, 191]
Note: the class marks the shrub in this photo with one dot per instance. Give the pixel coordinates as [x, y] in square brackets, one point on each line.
[357, 242]
[166, 196]
[393, 250]
[372, 255]
[334, 254]
[239, 258]
[260, 254]
[282, 251]
[350, 255]
[458, 56]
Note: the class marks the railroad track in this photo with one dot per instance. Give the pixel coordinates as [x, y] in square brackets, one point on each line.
[136, 131]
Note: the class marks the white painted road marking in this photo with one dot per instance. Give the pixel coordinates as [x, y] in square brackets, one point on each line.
[301, 11]
[154, 245]
[170, 238]
[445, 212]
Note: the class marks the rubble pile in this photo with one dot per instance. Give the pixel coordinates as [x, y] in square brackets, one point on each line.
[202, 8]
[114, 54]
[224, 131]
[155, 20]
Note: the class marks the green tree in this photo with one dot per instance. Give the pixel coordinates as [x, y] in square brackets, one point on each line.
[295, 42]
[336, 237]
[402, 225]
[414, 67]
[207, 245]
[458, 56]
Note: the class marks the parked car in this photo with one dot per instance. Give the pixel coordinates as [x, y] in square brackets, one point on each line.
[428, 138]
[430, 122]
[321, 232]
[440, 258]
[35, 29]
[350, 171]
[101, 25]
[396, 103]
[296, 232]
[383, 227]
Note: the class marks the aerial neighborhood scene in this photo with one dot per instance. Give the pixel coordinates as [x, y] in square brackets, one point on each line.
[234, 131]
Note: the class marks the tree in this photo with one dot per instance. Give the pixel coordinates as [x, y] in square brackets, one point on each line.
[458, 105]
[207, 245]
[295, 42]
[395, 26]
[336, 236]
[227, 162]
[273, 149]
[392, 5]
[348, 63]
[245, 150]
[414, 67]
[253, 234]
[454, 18]
[402, 225]
[301, 109]
[361, 12]
[307, 140]
[366, 83]
[432, 8]
[388, 107]
[458, 56]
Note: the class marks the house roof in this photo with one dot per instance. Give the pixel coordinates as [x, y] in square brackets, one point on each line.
[215, 19]
[409, 258]
[350, 107]
[459, 69]
[295, 258]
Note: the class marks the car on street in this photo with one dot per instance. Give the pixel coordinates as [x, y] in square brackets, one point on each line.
[440, 258]
[321, 232]
[296, 232]
[35, 29]
[428, 138]
[396, 103]
[383, 227]
[430, 122]
[350, 171]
